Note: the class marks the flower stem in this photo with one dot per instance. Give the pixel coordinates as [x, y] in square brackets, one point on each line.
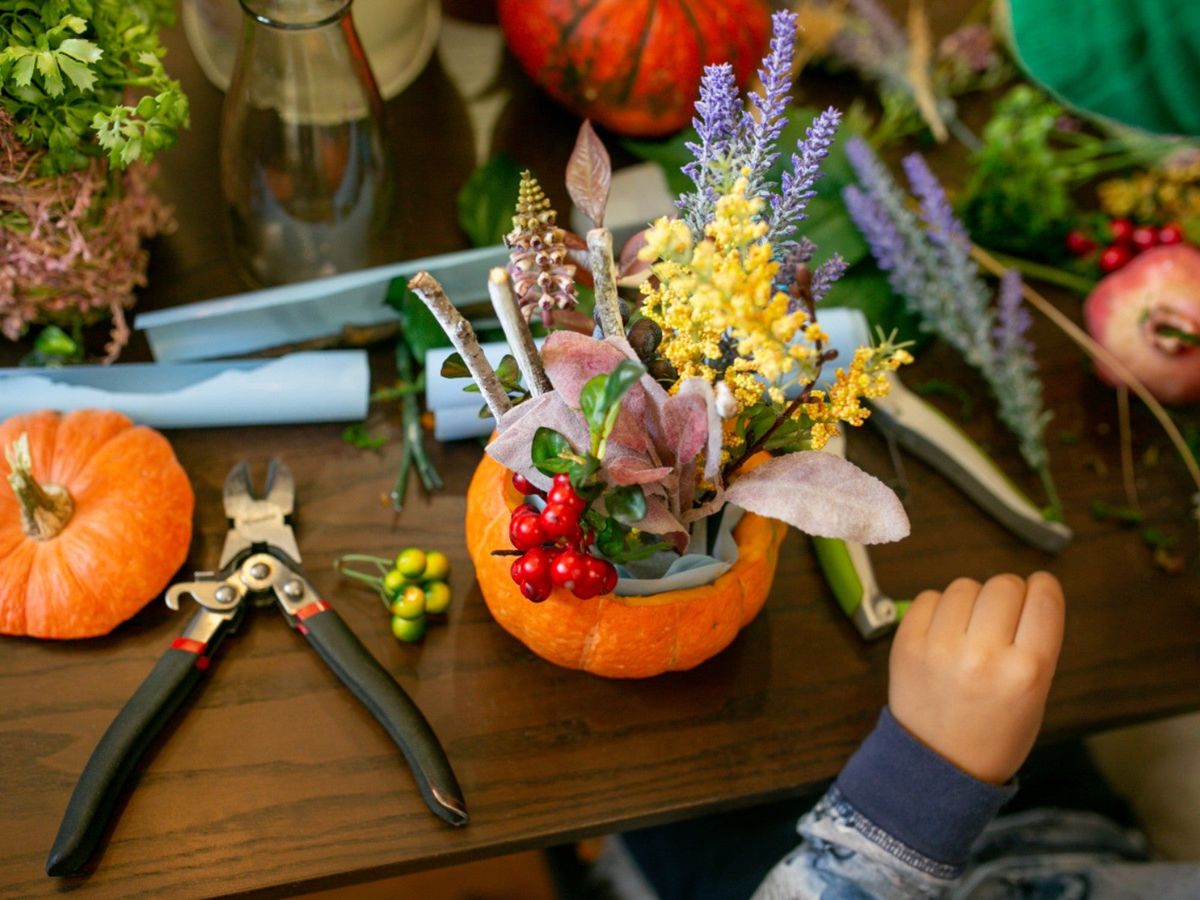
[1048, 274]
[411, 436]
[762, 439]
[1055, 511]
[380, 562]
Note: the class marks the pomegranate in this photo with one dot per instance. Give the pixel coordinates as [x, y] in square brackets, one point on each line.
[1148, 315]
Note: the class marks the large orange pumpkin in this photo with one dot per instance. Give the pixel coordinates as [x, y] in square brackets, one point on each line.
[618, 637]
[94, 529]
[633, 65]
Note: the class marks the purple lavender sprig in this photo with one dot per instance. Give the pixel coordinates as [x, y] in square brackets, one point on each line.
[1021, 410]
[796, 186]
[733, 141]
[928, 262]
[760, 133]
[826, 274]
[716, 118]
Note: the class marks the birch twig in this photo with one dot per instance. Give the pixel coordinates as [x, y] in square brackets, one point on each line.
[516, 330]
[604, 271]
[462, 335]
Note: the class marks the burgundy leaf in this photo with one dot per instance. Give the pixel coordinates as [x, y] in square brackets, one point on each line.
[589, 174]
[822, 495]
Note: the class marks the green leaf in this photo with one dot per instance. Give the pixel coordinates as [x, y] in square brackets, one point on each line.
[131, 151]
[81, 76]
[23, 70]
[509, 373]
[547, 449]
[581, 477]
[47, 66]
[356, 435]
[53, 348]
[591, 402]
[83, 50]
[626, 504]
[620, 380]
[487, 200]
[454, 367]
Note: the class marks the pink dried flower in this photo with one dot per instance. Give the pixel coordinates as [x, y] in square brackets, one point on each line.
[972, 48]
[71, 245]
[542, 278]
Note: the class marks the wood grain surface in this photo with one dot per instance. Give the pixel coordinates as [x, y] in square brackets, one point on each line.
[273, 778]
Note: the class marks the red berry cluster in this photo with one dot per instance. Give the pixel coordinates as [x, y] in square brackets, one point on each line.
[1128, 240]
[554, 545]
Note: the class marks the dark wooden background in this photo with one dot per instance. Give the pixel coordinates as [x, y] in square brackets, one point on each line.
[273, 778]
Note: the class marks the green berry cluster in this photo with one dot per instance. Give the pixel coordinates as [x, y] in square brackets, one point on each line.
[412, 586]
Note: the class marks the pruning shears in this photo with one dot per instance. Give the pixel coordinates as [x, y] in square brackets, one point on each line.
[259, 562]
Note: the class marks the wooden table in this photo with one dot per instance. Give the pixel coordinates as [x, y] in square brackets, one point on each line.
[273, 779]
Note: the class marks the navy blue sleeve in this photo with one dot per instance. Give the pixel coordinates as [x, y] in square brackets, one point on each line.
[917, 797]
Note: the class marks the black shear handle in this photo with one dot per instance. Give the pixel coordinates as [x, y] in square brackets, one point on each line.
[170, 681]
[395, 710]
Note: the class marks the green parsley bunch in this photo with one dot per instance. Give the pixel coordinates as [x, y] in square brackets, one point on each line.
[82, 78]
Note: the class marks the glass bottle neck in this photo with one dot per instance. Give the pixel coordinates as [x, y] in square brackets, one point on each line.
[296, 14]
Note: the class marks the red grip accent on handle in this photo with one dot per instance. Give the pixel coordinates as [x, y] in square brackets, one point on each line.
[191, 646]
[311, 609]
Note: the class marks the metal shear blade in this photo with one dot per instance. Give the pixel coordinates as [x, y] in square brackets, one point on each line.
[259, 521]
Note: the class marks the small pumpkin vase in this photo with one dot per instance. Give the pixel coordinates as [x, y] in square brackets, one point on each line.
[612, 636]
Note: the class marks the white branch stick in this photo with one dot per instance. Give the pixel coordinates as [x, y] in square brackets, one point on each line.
[516, 329]
[462, 335]
[604, 271]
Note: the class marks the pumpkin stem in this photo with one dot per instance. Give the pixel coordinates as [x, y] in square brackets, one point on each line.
[45, 508]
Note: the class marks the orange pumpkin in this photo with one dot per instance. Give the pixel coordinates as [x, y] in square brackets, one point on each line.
[95, 526]
[634, 66]
[617, 637]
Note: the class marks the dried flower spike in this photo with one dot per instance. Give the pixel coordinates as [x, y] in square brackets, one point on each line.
[542, 278]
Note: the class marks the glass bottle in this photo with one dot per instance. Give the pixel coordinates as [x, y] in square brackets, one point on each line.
[305, 170]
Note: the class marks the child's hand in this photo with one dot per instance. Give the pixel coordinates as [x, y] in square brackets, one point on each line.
[971, 668]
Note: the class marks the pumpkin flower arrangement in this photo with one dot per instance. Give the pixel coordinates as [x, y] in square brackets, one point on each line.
[636, 449]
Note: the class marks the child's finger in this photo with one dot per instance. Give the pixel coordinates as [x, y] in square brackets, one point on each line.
[1042, 619]
[998, 609]
[954, 609]
[915, 623]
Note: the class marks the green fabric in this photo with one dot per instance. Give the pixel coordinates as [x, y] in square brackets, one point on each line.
[1135, 61]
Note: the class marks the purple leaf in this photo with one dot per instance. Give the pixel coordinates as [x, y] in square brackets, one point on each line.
[589, 174]
[822, 495]
[517, 427]
[658, 520]
[698, 387]
[685, 425]
[632, 468]
[572, 359]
